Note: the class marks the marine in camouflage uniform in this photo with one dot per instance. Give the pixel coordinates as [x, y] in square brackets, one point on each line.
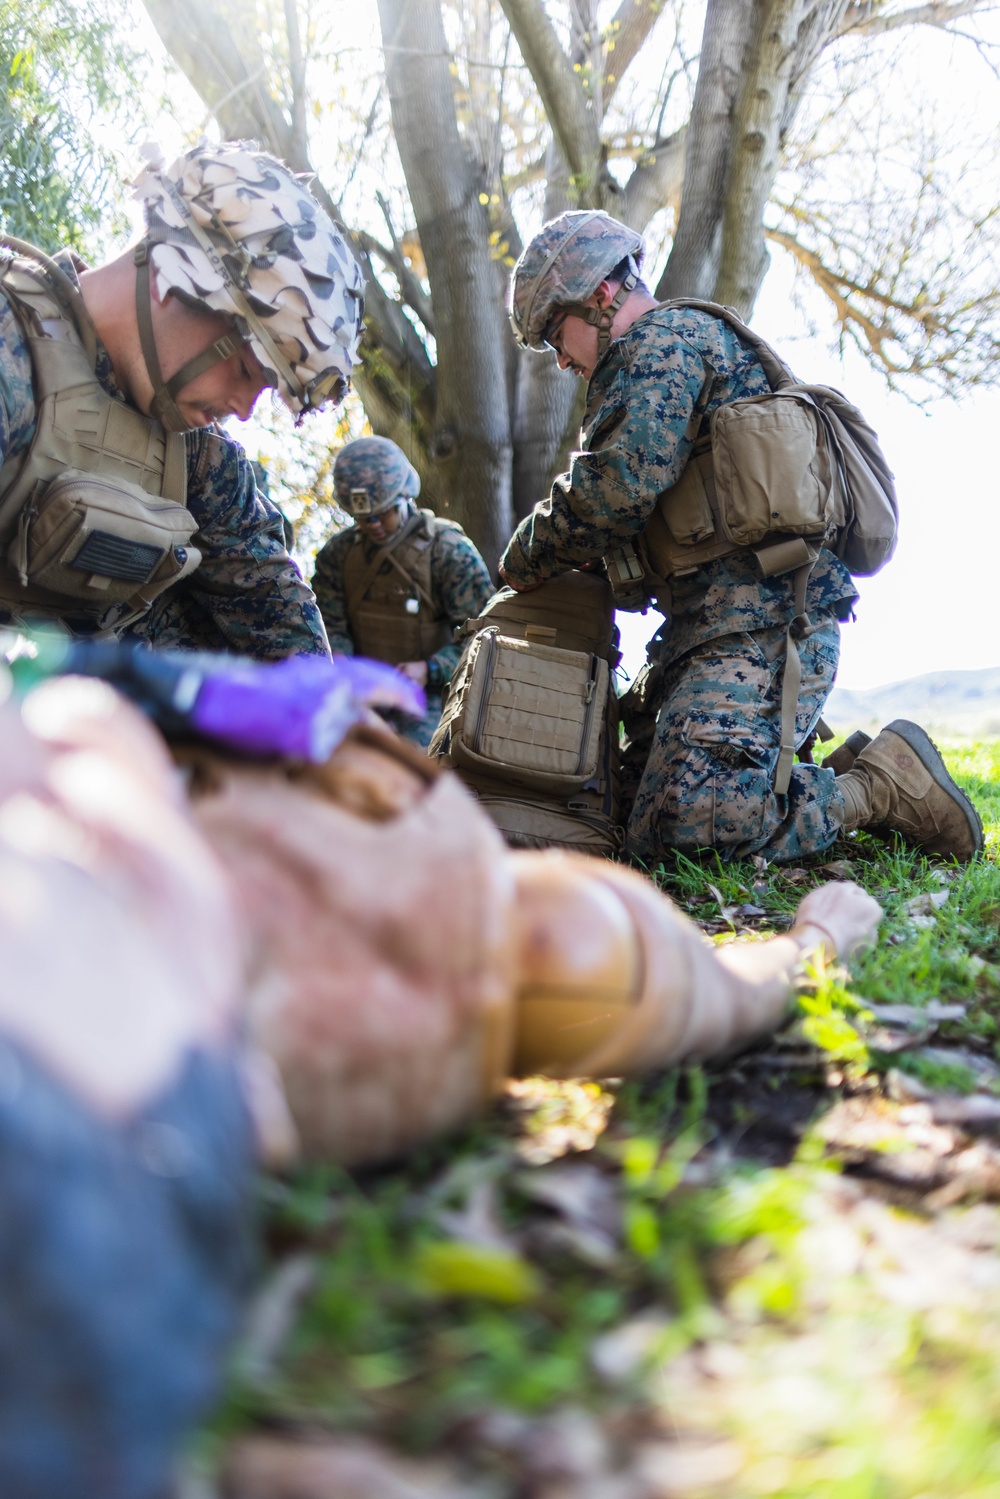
[374, 481]
[703, 717]
[246, 595]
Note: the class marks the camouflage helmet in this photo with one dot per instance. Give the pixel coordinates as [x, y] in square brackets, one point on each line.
[567, 260]
[231, 228]
[371, 474]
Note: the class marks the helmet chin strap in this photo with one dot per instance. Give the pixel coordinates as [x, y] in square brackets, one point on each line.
[165, 392]
[601, 318]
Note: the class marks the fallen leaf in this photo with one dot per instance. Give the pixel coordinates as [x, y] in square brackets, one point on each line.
[839, 869]
[456, 1269]
[925, 904]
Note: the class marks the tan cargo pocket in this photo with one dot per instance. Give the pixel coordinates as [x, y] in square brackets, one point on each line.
[532, 713]
[101, 541]
[773, 469]
[686, 509]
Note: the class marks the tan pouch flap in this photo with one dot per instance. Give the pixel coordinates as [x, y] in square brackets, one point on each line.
[533, 712]
[773, 469]
[685, 507]
[98, 540]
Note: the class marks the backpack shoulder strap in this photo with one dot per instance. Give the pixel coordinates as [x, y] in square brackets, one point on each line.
[779, 376]
[33, 273]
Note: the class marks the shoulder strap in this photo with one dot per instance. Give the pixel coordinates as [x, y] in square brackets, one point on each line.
[382, 554]
[53, 280]
[779, 376]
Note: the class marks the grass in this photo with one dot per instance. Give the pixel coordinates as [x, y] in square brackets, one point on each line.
[782, 1295]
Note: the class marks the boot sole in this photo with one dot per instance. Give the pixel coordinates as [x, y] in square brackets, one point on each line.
[929, 756]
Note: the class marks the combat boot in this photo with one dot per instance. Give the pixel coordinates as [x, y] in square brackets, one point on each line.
[842, 759]
[899, 784]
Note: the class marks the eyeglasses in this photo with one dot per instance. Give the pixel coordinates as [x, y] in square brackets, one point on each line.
[553, 328]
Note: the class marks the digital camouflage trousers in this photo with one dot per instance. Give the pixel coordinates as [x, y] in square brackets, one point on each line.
[703, 736]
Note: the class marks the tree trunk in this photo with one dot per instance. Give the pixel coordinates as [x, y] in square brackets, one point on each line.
[692, 267]
[471, 443]
[549, 402]
[755, 150]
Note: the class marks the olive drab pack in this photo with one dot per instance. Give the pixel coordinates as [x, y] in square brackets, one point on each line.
[93, 518]
[391, 609]
[780, 475]
[530, 723]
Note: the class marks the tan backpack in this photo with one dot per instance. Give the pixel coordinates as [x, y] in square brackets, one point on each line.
[798, 462]
[531, 719]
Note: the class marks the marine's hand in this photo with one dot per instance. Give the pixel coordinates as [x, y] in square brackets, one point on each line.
[842, 913]
[415, 670]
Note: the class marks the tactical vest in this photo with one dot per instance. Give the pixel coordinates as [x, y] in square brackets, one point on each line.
[389, 596]
[92, 517]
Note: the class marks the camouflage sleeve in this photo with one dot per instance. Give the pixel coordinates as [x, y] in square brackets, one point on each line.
[328, 586]
[637, 443]
[247, 596]
[17, 401]
[461, 585]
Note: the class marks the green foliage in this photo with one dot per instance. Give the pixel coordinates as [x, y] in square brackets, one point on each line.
[67, 81]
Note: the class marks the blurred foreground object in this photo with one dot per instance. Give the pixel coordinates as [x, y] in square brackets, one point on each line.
[378, 944]
[403, 963]
[125, 1143]
[301, 708]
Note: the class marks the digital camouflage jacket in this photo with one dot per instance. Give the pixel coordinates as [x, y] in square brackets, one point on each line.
[649, 399]
[247, 596]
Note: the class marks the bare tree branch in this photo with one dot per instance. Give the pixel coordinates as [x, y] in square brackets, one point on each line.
[469, 453]
[571, 115]
[656, 182]
[954, 344]
[624, 37]
[412, 292]
[229, 74]
[869, 18]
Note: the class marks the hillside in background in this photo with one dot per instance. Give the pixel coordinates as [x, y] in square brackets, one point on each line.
[956, 702]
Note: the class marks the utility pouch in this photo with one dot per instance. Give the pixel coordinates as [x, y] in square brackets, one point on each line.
[774, 472]
[627, 577]
[102, 541]
[531, 713]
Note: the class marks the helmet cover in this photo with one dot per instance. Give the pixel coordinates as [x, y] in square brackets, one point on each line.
[232, 229]
[568, 259]
[371, 474]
